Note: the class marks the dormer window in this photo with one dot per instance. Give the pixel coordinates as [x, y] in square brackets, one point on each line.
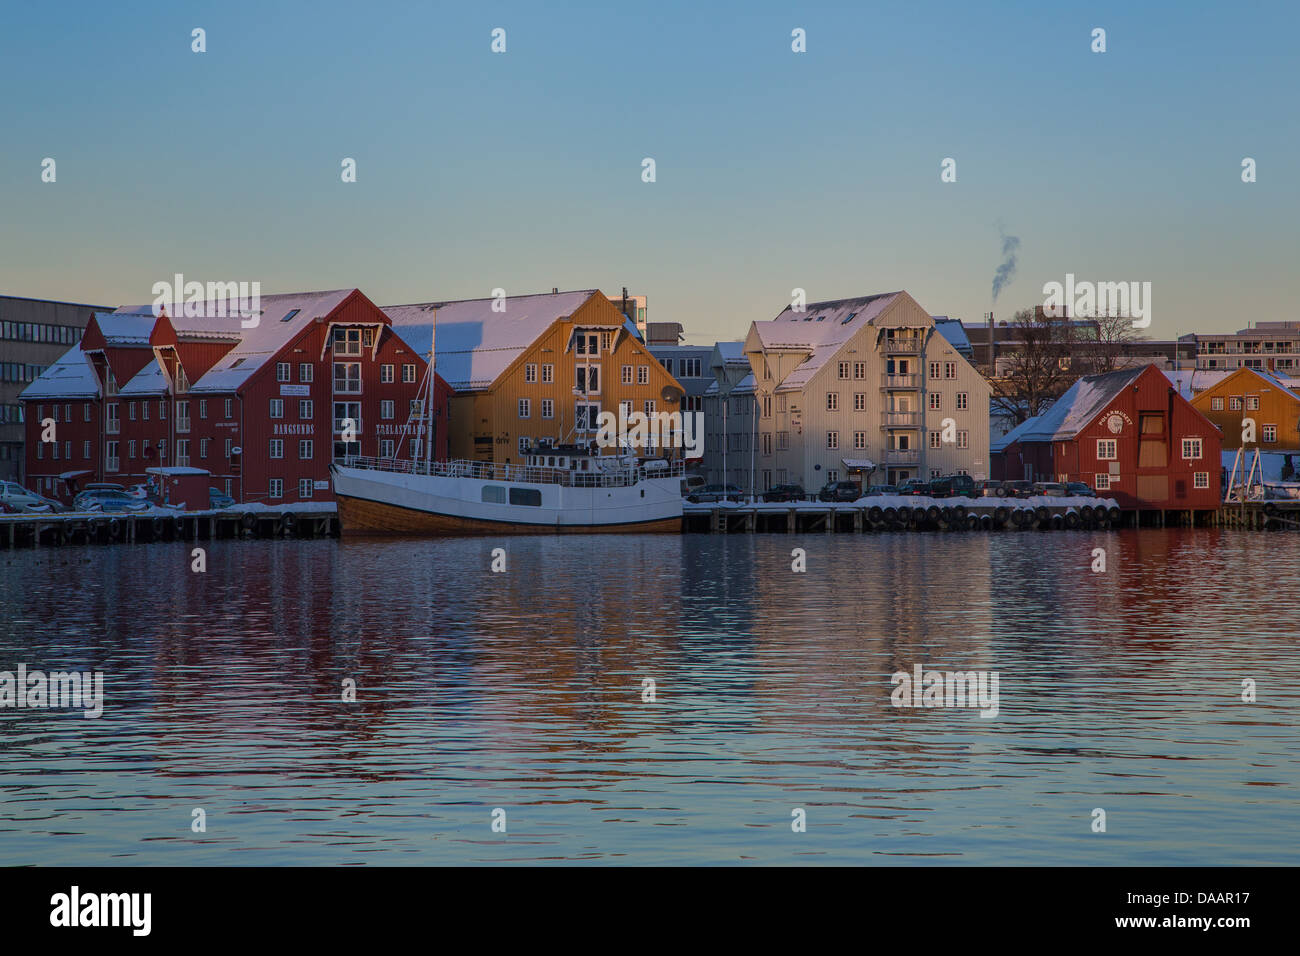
[347, 341]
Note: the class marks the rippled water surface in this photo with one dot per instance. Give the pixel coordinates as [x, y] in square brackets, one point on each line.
[524, 691]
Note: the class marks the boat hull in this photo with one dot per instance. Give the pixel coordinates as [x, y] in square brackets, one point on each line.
[372, 502]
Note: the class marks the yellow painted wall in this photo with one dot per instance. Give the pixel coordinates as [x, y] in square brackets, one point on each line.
[1277, 406]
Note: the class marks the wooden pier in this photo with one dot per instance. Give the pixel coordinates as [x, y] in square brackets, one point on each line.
[48, 530]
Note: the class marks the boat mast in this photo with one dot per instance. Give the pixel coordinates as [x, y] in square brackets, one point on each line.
[428, 405]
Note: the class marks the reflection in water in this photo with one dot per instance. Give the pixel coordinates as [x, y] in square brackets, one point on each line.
[523, 690]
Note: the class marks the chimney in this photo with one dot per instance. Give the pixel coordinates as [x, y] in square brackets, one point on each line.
[555, 291]
[992, 346]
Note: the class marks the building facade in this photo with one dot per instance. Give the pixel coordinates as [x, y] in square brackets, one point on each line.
[34, 335]
[536, 367]
[1253, 405]
[866, 387]
[1265, 346]
[264, 409]
[1129, 435]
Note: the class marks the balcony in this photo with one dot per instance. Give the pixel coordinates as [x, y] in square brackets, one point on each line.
[902, 346]
[900, 381]
[903, 456]
[900, 419]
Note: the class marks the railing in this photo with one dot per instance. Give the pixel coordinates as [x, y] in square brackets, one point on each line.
[909, 456]
[900, 419]
[619, 477]
[900, 381]
[908, 346]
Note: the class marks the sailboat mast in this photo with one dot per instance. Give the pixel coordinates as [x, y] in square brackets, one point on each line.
[428, 404]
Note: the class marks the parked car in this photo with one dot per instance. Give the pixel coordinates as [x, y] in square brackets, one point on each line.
[1049, 489]
[56, 507]
[914, 486]
[789, 492]
[108, 500]
[692, 483]
[714, 493]
[840, 491]
[1018, 489]
[219, 499]
[20, 499]
[991, 489]
[1077, 489]
[876, 491]
[953, 486]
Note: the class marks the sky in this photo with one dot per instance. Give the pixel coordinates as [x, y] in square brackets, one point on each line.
[774, 170]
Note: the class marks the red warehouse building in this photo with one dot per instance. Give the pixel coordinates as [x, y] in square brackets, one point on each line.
[1128, 434]
[262, 408]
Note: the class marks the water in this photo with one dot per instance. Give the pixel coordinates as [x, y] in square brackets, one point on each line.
[523, 691]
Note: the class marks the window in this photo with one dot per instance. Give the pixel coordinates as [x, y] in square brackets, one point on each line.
[230, 446]
[144, 410]
[832, 440]
[782, 441]
[963, 439]
[859, 440]
[386, 409]
[936, 402]
[114, 424]
[643, 374]
[548, 374]
[935, 473]
[386, 448]
[367, 338]
[347, 341]
[130, 449]
[690, 367]
[650, 407]
[111, 461]
[1201, 479]
[203, 408]
[1252, 402]
[844, 370]
[949, 369]
[203, 447]
[548, 408]
[1270, 434]
[832, 474]
[526, 496]
[305, 449]
[416, 408]
[408, 373]
[277, 447]
[85, 450]
[162, 409]
[305, 408]
[290, 314]
[182, 416]
[667, 363]
[1107, 449]
[1102, 482]
[586, 344]
[606, 341]
[1191, 449]
[936, 441]
[183, 452]
[587, 378]
[523, 444]
[860, 370]
[1234, 403]
[530, 373]
[385, 374]
[282, 371]
[277, 408]
[305, 372]
[347, 378]
[345, 412]
[304, 487]
[961, 401]
[228, 404]
[859, 401]
[493, 494]
[277, 488]
[1216, 404]
[832, 401]
[130, 411]
[934, 369]
[85, 412]
[525, 407]
[54, 447]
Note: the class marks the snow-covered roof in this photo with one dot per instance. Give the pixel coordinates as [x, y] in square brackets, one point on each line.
[282, 318]
[69, 377]
[1194, 381]
[475, 345]
[1000, 444]
[1082, 402]
[125, 326]
[954, 332]
[148, 381]
[732, 352]
[821, 330]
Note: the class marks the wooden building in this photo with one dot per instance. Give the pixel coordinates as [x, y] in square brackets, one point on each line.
[1129, 435]
[535, 366]
[1250, 402]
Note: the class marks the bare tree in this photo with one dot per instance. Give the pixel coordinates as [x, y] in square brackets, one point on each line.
[1034, 367]
[1102, 343]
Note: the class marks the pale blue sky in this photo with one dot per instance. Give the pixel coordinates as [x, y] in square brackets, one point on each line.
[775, 170]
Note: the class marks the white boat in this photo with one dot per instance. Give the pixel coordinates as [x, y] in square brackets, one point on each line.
[558, 489]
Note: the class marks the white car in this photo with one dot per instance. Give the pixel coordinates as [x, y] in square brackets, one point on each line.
[20, 499]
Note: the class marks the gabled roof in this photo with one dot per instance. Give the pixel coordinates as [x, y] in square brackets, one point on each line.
[125, 327]
[1188, 381]
[257, 345]
[148, 381]
[475, 345]
[732, 352]
[954, 332]
[1082, 402]
[820, 330]
[1265, 376]
[69, 377]
[1001, 444]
